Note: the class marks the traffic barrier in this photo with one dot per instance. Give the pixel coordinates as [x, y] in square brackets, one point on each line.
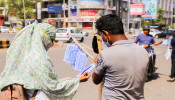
[4, 43]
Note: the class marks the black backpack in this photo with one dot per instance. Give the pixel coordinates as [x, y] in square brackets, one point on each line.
[95, 44]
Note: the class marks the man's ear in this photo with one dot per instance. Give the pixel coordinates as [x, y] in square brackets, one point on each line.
[106, 33]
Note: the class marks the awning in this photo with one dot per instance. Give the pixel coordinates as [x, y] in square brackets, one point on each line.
[154, 26]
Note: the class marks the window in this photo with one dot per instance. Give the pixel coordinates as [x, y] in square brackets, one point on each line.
[173, 8]
[53, 15]
[110, 3]
[45, 14]
[124, 4]
[76, 31]
[72, 31]
[61, 31]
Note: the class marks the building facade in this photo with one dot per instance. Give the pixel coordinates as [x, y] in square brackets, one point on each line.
[53, 18]
[173, 16]
[84, 13]
[167, 6]
[151, 13]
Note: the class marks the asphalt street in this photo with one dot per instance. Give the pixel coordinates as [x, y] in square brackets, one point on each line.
[156, 89]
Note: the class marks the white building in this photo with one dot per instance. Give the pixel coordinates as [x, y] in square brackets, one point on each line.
[167, 6]
[83, 13]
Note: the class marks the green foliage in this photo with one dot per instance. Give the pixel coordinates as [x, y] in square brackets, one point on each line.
[167, 27]
[17, 6]
[159, 19]
[145, 22]
[172, 26]
[2, 3]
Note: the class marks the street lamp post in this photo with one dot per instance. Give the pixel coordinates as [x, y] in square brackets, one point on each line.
[24, 13]
[64, 14]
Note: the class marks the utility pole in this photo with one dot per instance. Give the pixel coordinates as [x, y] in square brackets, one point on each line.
[64, 14]
[24, 13]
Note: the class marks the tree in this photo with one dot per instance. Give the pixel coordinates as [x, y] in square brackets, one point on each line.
[159, 19]
[2, 4]
[15, 8]
[145, 22]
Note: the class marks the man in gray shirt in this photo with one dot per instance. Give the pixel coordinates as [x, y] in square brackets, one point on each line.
[123, 65]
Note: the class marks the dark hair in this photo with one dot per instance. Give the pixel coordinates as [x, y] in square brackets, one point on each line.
[110, 23]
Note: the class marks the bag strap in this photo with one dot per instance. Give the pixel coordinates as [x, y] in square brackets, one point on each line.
[34, 95]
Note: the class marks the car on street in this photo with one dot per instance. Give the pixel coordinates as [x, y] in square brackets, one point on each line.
[165, 34]
[4, 29]
[154, 32]
[66, 34]
[85, 33]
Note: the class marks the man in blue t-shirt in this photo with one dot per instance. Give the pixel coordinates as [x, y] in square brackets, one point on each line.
[146, 40]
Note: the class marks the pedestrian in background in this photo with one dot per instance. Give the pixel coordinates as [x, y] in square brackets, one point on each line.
[28, 65]
[123, 65]
[172, 75]
[146, 41]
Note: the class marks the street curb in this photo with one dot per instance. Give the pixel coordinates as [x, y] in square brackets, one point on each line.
[4, 43]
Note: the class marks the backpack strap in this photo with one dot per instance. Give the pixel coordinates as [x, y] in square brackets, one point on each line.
[34, 95]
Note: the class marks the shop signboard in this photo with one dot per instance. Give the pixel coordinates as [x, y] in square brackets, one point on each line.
[150, 9]
[137, 9]
[61, 20]
[92, 6]
[92, 2]
[89, 12]
[81, 20]
[54, 8]
[111, 7]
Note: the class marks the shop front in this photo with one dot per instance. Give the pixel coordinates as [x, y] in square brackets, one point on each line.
[84, 23]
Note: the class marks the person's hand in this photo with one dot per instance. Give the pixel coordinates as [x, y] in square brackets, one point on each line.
[171, 47]
[145, 46]
[84, 77]
[95, 59]
[162, 41]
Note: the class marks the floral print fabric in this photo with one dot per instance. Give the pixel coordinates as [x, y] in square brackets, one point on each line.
[28, 64]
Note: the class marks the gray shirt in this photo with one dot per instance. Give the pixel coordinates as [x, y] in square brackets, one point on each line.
[124, 66]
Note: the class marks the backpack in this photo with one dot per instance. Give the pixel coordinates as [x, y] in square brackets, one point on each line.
[95, 44]
[12, 92]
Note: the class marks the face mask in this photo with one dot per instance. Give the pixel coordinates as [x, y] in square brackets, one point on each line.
[105, 43]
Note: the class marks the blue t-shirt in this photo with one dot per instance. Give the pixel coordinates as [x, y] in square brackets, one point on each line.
[173, 44]
[145, 40]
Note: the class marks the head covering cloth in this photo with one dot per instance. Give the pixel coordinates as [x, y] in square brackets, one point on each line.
[28, 63]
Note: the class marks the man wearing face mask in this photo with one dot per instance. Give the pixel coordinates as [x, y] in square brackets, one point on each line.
[122, 66]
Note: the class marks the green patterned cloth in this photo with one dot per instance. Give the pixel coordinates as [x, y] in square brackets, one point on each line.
[28, 63]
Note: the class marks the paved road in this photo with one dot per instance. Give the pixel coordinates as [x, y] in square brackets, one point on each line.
[156, 89]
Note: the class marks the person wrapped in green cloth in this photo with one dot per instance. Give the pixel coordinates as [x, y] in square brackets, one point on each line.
[28, 64]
